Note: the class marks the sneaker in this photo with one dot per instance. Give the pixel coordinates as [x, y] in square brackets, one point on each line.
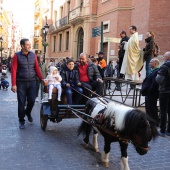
[30, 119]
[59, 99]
[167, 133]
[22, 125]
[37, 100]
[161, 134]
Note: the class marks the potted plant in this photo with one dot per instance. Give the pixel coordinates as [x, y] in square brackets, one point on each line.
[45, 44]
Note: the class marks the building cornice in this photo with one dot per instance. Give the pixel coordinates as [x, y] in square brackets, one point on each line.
[116, 9]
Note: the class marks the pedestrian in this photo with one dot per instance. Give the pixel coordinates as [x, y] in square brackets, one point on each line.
[54, 81]
[133, 59]
[24, 70]
[148, 50]
[109, 71]
[94, 61]
[102, 63]
[4, 83]
[121, 53]
[89, 76]
[70, 80]
[163, 79]
[151, 92]
[44, 72]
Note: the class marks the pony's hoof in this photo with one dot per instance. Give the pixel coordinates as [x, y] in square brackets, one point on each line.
[85, 145]
[96, 149]
[105, 164]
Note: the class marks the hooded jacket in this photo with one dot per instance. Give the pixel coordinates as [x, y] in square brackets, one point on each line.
[163, 78]
[53, 78]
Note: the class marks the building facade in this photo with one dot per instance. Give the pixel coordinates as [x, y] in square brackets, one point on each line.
[75, 25]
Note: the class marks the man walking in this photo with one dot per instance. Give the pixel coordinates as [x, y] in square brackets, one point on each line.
[24, 70]
[150, 91]
[163, 79]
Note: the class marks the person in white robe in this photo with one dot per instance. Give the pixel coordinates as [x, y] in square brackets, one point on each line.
[133, 58]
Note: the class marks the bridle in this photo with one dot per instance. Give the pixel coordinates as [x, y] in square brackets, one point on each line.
[135, 143]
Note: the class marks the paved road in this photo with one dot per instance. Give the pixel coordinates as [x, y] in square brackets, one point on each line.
[59, 147]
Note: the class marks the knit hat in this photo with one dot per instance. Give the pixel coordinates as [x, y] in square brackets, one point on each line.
[52, 68]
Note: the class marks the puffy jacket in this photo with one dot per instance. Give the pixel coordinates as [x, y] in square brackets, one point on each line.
[26, 67]
[92, 71]
[163, 78]
[66, 79]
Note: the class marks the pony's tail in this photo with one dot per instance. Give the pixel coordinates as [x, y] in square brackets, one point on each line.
[84, 128]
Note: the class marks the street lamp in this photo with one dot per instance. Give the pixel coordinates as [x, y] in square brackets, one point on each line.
[1, 40]
[45, 31]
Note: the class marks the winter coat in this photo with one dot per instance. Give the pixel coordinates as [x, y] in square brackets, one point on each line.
[163, 78]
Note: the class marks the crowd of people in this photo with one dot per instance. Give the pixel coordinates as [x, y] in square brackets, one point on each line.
[28, 72]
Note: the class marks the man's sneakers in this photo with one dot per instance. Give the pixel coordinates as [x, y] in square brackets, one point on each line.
[37, 99]
[161, 134]
[30, 119]
[22, 125]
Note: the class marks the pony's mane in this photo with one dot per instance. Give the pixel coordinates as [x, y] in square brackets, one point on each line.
[117, 112]
[135, 119]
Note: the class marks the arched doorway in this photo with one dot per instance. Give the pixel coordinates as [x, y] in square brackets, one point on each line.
[80, 42]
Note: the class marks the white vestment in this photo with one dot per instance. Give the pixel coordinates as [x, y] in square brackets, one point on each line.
[133, 58]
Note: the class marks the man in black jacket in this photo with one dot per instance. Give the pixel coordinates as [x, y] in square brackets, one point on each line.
[163, 79]
[150, 91]
[121, 53]
[89, 76]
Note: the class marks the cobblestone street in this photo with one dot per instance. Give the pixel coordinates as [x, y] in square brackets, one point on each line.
[59, 147]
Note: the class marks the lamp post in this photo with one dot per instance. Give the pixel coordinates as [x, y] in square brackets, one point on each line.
[45, 31]
[1, 40]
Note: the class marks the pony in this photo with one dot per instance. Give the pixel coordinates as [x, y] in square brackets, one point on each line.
[117, 123]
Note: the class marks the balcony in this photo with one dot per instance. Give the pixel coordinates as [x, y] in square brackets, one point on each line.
[52, 28]
[61, 23]
[76, 15]
[36, 23]
[37, 11]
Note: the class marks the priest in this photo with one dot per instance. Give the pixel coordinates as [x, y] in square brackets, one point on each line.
[133, 58]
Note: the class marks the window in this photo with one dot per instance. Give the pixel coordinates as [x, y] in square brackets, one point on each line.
[54, 44]
[60, 42]
[67, 40]
[104, 1]
[106, 26]
[61, 12]
[55, 15]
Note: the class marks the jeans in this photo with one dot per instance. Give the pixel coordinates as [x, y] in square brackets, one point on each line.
[25, 91]
[164, 99]
[77, 96]
[148, 69]
[151, 107]
[95, 85]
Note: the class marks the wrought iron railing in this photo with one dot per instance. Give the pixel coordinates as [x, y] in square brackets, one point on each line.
[60, 23]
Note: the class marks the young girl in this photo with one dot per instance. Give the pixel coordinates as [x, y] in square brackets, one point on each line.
[54, 80]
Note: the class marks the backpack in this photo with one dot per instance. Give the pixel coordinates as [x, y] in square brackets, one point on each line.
[156, 50]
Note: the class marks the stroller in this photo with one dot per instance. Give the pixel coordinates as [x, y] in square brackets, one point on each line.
[4, 70]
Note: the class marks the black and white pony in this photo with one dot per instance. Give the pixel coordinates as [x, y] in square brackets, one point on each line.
[121, 124]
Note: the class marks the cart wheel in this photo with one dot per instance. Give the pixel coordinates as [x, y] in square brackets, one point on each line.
[43, 119]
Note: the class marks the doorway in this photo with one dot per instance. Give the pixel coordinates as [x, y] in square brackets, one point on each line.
[80, 42]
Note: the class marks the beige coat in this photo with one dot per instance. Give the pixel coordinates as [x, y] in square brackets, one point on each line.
[133, 58]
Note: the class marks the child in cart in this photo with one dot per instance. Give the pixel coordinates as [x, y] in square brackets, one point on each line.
[54, 80]
[70, 81]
